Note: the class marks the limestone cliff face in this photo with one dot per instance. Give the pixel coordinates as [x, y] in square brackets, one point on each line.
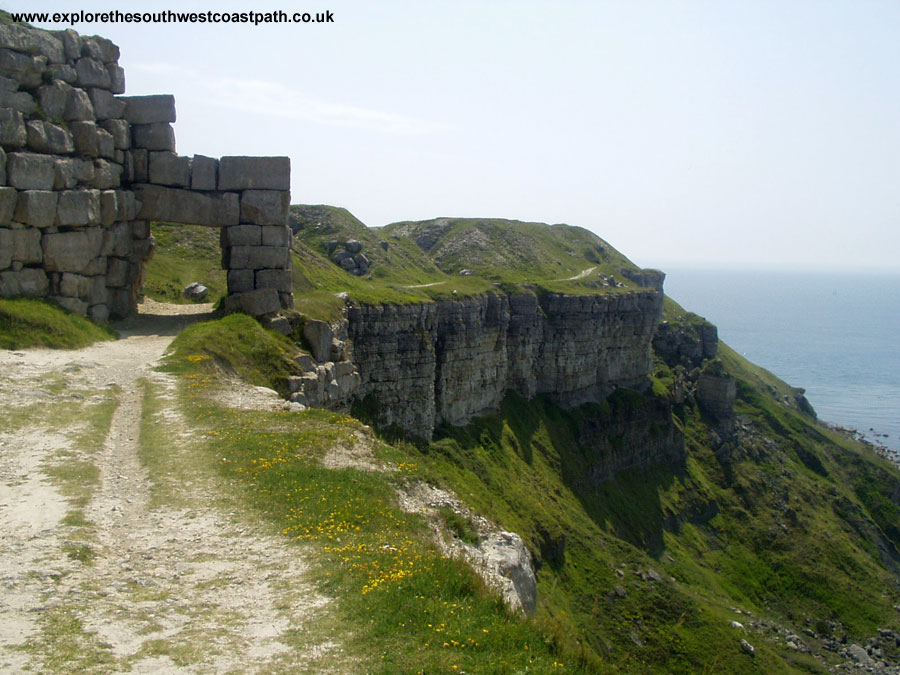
[449, 361]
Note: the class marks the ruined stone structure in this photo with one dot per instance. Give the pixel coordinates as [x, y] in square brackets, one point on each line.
[85, 170]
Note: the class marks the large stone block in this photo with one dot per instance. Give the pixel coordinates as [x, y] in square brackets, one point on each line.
[18, 100]
[254, 303]
[66, 173]
[12, 129]
[78, 106]
[117, 240]
[78, 207]
[121, 132]
[280, 280]
[100, 49]
[53, 99]
[6, 246]
[91, 73]
[30, 171]
[106, 106]
[167, 168]
[58, 139]
[73, 305]
[276, 235]
[159, 136]
[75, 285]
[62, 71]
[318, 335]
[27, 70]
[99, 313]
[265, 207]
[140, 161]
[36, 208]
[255, 173]
[106, 145]
[107, 175]
[116, 78]
[109, 207]
[29, 281]
[8, 197]
[116, 272]
[71, 251]
[240, 281]
[242, 235]
[71, 42]
[84, 136]
[183, 206]
[204, 173]
[257, 257]
[32, 41]
[26, 246]
[37, 136]
[149, 109]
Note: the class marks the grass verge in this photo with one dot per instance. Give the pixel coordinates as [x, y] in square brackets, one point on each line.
[25, 322]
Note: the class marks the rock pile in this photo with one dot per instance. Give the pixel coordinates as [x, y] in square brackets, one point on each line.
[349, 256]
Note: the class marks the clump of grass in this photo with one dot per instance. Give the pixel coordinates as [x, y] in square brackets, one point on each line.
[25, 322]
[460, 526]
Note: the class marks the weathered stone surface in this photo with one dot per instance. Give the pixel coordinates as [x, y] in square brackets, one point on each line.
[141, 165]
[62, 71]
[255, 173]
[99, 48]
[195, 291]
[37, 137]
[78, 106]
[78, 207]
[36, 208]
[12, 129]
[32, 41]
[59, 140]
[73, 305]
[65, 173]
[240, 281]
[254, 303]
[716, 394]
[53, 98]
[116, 78]
[505, 553]
[71, 42]
[128, 211]
[18, 100]
[204, 173]
[30, 282]
[280, 280]
[98, 313]
[84, 136]
[117, 240]
[318, 335]
[6, 248]
[25, 69]
[276, 235]
[25, 246]
[257, 257]
[106, 106]
[91, 73]
[75, 285]
[109, 207]
[121, 132]
[183, 206]
[149, 109]
[106, 146]
[167, 168]
[160, 136]
[71, 251]
[242, 235]
[107, 175]
[116, 272]
[30, 171]
[8, 84]
[265, 207]
[7, 204]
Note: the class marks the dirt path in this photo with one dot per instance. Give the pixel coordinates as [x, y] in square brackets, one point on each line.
[99, 571]
[581, 275]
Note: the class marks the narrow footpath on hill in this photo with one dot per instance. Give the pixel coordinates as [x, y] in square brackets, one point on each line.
[104, 570]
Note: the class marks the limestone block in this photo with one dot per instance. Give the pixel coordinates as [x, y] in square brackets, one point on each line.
[255, 173]
[109, 207]
[25, 69]
[280, 280]
[140, 228]
[37, 137]
[29, 281]
[91, 73]
[240, 281]
[30, 171]
[78, 207]
[120, 303]
[86, 172]
[12, 129]
[276, 236]
[116, 272]
[75, 285]
[107, 175]
[25, 245]
[62, 71]
[106, 146]
[36, 208]
[242, 235]
[2, 166]
[116, 78]
[127, 205]
[73, 305]
[100, 49]
[7, 204]
[117, 240]
[183, 206]
[65, 173]
[71, 43]
[8, 84]
[254, 303]
[141, 162]
[53, 98]
[98, 313]
[78, 105]
[6, 247]
[286, 300]
[319, 336]
[59, 139]
[71, 251]
[96, 267]
[149, 109]
[32, 41]
[258, 257]
[159, 136]
[84, 136]
[18, 100]
[142, 249]
[167, 168]
[265, 207]
[106, 106]
[204, 171]
[121, 132]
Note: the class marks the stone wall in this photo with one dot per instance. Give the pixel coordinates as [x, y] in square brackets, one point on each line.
[84, 171]
[457, 359]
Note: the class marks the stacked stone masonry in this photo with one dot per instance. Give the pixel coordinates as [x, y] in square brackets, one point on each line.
[85, 170]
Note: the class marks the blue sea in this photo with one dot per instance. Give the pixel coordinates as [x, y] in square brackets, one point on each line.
[835, 334]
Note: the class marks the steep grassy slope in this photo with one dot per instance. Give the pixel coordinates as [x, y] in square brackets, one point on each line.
[184, 254]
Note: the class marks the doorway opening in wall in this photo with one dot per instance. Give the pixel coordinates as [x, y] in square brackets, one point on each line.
[185, 255]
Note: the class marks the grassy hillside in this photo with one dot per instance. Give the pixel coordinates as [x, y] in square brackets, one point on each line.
[184, 254]
[25, 322]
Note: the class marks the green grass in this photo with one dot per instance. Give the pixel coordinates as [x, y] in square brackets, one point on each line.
[184, 254]
[25, 323]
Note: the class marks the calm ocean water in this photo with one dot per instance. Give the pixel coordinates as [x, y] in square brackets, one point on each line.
[836, 335]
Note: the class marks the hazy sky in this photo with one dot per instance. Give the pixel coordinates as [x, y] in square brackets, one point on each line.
[732, 133]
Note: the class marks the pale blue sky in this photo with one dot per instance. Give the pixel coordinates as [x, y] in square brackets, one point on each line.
[749, 133]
